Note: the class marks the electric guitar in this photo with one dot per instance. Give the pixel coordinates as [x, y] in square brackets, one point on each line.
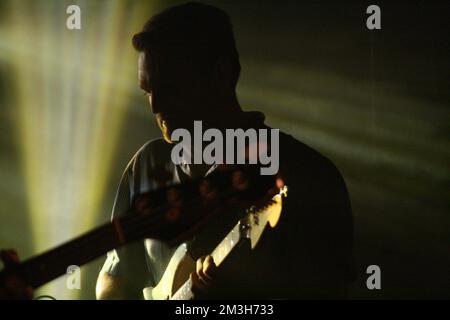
[175, 283]
[172, 214]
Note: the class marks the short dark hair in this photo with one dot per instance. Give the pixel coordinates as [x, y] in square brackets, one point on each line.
[204, 31]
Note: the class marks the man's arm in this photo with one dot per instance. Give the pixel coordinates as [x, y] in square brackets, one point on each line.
[124, 272]
[109, 287]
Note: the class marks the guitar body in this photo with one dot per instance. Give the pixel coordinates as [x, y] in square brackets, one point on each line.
[178, 270]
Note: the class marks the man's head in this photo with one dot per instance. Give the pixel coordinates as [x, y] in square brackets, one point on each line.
[188, 64]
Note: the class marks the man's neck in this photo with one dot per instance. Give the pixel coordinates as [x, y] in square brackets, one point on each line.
[229, 115]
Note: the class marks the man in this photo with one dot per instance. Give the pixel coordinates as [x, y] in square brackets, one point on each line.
[189, 67]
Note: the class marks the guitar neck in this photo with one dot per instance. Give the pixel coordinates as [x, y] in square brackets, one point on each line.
[227, 245]
[54, 263]
[152, 215]
[219, 254]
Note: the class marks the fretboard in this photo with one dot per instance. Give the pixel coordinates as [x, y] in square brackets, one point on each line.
[227, 245]
[219, 254]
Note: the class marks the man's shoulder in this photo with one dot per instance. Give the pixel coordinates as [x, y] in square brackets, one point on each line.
[307, 164]
[156, 151]
[152, 155]
[302, 154]
[153, 147]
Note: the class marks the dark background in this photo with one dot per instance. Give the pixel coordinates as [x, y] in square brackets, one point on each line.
[376, 102]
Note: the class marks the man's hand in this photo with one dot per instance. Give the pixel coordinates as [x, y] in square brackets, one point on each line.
[203, 278]
[12, 287]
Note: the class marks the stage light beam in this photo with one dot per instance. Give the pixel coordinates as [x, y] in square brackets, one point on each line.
[72, 90]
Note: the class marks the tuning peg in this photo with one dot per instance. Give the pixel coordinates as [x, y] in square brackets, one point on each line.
[284, 191]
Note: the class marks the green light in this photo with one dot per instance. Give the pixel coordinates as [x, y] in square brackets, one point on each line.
[72, 92]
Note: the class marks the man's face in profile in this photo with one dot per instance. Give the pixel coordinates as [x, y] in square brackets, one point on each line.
[144, 80]
[173, 91]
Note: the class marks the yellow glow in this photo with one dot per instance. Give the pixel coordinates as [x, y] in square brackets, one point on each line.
[72, 89]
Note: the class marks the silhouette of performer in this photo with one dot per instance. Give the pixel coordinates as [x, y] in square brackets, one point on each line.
[189, 67]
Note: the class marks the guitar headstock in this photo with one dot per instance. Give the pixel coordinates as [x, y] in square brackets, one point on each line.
[177, 212]
[254, 223]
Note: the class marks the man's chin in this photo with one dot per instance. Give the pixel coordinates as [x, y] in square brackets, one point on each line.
[166, 133]
[167, 127]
